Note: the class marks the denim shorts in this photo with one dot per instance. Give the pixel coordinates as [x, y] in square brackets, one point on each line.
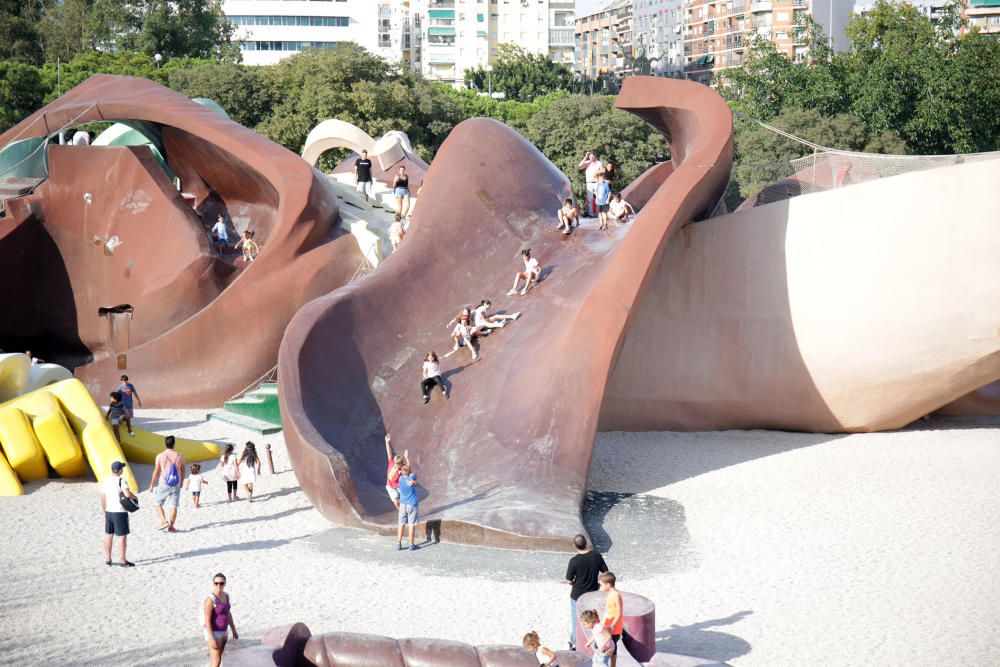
[401, 192]
[167, 495]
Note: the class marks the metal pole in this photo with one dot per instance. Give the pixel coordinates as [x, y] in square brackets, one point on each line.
[270, 459]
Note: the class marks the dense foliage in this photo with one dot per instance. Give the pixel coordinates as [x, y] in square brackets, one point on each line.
[520, 75]
[931, 85]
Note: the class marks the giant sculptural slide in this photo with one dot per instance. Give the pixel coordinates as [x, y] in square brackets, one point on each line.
[856, 309]
[505, 461]
[108, 229]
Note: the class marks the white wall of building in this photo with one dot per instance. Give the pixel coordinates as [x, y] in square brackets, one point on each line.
[270, 30]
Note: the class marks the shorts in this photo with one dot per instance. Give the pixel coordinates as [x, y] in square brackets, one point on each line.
[218, 634]
[401, 192]
[115, 421]
[130, 413]
[196, 494]
[603, 208]
[393, 493]
[364, 187]
[602, 660]
[614, 640]
[167, 495]
[116, 523]
[408, 515]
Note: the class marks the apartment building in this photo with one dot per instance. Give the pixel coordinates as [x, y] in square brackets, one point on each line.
[269, 30]
[658, 30]
[399, 27]
[456, 35]
[983, 15]
[603, 41]
[716, 31]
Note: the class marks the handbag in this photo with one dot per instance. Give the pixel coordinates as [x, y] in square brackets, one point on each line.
[128, 504]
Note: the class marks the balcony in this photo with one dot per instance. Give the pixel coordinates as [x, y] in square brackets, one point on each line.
[561, 36]
[761, 7]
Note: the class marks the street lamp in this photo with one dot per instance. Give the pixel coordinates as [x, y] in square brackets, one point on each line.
[489, 77]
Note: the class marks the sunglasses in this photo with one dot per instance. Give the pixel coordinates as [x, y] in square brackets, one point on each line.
[219, 583]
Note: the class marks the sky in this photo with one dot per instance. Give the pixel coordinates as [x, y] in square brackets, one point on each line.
[584, 7]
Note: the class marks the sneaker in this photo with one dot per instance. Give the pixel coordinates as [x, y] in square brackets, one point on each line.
[162, 526]
[413, 547]
[566, 233]
[171, 529]
[399, 547]
[428, 398]
[524, 291]
[516, 315]
[512, 292]
[127, 564]
[132, 433]
[446, 396]
[572, 646]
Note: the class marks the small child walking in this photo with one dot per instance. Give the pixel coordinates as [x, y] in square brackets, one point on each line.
[544, 656]
[193, 483]
[250, 248]
[396, 232]
[600, 639]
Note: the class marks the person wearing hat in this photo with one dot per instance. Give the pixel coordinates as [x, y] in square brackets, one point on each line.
[115, 516]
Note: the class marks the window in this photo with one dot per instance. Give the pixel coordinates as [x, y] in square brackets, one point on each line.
[322, 21]
[269, 45]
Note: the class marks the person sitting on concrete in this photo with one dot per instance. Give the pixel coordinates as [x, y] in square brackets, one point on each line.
[568, 216]
[484, 322]
[432, 376]
[464, 335]
[619, 210]
[465, 312]
[532, 270]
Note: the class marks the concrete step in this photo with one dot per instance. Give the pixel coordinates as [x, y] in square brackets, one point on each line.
[249, 423]
[261, 406]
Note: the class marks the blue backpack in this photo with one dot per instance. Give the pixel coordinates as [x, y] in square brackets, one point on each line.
[172, 478]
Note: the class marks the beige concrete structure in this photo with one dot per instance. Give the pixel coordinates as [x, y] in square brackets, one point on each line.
[857, 309]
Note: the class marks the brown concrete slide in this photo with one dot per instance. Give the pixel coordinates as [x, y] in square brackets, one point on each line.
[203, 327]
[505, 461]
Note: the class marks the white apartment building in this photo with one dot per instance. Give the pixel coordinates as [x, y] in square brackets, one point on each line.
[269, 30]
[456, 35]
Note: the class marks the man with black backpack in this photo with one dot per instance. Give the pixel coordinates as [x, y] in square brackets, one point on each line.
[169, 470]
[113, 490]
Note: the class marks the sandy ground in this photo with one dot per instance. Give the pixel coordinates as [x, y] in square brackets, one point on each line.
[759, 548]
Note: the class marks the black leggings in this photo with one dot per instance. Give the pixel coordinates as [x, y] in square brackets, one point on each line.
[427, 384]
[231, 486]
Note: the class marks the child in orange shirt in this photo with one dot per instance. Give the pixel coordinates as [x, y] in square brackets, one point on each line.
[613, 617]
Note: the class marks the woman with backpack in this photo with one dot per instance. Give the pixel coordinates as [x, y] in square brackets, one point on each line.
[249, 467]
[230, 471]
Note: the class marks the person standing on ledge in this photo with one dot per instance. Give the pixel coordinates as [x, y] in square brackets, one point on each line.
[408, 503]
[581, 574]
[591, 166]
[220, 235]
[363, 174]
[168, 469]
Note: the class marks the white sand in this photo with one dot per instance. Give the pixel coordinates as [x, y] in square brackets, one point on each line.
[801, 550]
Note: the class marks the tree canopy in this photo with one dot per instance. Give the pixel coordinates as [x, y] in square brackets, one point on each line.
[520, 75]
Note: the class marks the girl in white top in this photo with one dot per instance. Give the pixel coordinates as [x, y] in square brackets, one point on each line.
[530, 274]
[464, 334]
[193, 483]
[543, 655]
[230, 472]
[484, 323]
[249, 465]
[432, 376]
[620, 210]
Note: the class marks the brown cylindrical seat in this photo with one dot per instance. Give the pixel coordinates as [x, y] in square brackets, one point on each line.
[639, 623]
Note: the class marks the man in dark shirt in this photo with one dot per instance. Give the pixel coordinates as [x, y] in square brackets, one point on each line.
[363, 174]
[582, 573]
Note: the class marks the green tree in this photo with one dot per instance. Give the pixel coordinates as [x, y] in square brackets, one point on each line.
[21, 92]
[763, 156]
[520, 75]
[19, 33]
[64, 29]
[568, 127]
[241, 91]
[172, 28]
[348, 83]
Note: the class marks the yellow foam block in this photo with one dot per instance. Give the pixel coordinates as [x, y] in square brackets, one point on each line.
[144, 446]
[84, 418]
[60, 444]
[10, 485]
[24, 453]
